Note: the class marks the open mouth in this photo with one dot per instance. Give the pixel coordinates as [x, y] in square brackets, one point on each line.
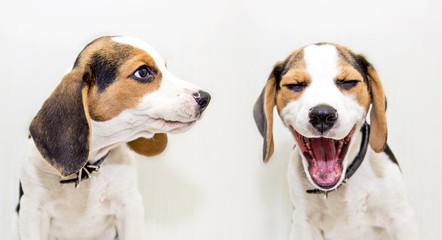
[324, 157]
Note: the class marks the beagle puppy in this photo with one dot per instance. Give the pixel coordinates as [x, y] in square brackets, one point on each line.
[79, 178]
[345, 182]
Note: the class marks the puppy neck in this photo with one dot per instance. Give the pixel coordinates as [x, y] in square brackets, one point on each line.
[107, 135]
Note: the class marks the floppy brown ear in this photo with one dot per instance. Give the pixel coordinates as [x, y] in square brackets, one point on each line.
[149, 146]
[378, 120]
[61, 129]
[263, 113]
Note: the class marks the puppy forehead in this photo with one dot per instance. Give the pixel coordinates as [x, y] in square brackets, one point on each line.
[321, 61]
[116, 51]
[109, 57]
[137, 43]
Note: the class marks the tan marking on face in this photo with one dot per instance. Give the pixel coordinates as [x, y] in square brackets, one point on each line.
[124, 92]
[295, 58]
[295, 74]
[360, 91]
[347, 72]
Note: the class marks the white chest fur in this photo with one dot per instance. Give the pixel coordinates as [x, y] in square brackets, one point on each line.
[91, 211]
[372, 205]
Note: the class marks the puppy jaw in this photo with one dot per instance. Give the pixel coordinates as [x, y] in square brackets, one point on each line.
[352, 149]
[320, 68]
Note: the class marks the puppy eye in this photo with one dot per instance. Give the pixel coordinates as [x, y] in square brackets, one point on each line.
[144, 74]
[347, 84]
[297, 87]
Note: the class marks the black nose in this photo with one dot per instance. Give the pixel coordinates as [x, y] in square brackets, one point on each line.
[323, 117]
[202, 98]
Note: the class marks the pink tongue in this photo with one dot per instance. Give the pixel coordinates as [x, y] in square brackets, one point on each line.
[323, 149]
[326, 170]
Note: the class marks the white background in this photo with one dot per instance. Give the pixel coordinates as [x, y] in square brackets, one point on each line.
[210, 183]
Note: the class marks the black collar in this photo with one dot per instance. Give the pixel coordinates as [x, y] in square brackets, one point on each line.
[357, 161]
[85, 172]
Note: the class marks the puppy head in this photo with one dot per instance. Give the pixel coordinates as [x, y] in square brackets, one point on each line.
[119, 90]
[322, 93]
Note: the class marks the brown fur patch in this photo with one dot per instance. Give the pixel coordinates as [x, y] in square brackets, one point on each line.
[378, 120]
[296, 75]
[359, 92]
[149, 146]
[293, 73]
[94, 46]
[295, 58]
[269, 104]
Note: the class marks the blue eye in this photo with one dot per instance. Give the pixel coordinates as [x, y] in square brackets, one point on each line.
[144, 74]
[297, 87]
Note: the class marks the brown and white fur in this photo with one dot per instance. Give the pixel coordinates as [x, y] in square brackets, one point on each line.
[323, 93]
[118, 96]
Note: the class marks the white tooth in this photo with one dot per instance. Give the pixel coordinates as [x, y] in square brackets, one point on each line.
[340, 144]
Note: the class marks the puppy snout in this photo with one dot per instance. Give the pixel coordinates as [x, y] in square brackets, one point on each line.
[323, 117]
[202, 99]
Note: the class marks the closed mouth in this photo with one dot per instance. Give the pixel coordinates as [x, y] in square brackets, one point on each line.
[324, 157]
[175, 124]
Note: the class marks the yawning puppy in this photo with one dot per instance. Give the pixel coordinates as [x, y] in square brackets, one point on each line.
[79, 178]
[323, 93]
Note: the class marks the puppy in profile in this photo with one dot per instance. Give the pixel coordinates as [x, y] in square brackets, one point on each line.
[79, 179]
[345, 182]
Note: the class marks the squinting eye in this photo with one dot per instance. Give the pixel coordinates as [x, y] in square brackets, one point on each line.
[144, 74]
[347, 84]
[297, 87]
